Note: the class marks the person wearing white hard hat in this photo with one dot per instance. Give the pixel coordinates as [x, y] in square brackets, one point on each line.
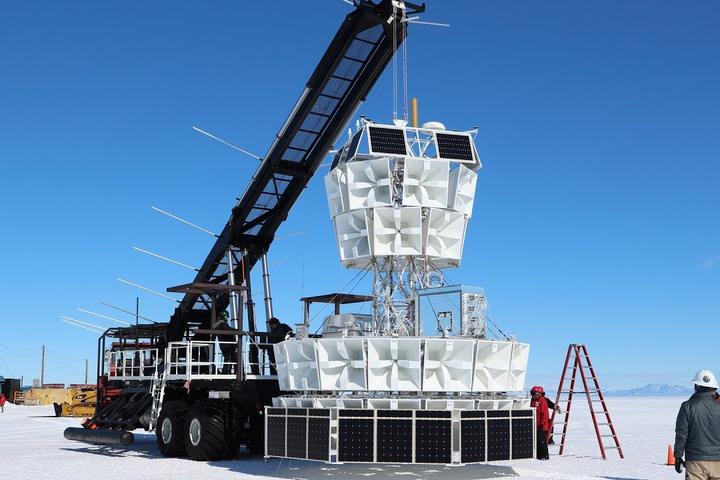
[697, 436]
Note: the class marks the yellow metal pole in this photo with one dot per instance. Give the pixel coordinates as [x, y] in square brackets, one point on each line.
[414, 112]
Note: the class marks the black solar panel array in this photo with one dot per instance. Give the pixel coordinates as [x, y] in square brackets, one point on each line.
[387, 140]
[454, 146]
[298, 433]
[387, 436]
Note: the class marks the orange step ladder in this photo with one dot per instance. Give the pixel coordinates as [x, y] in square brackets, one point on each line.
[578, 357]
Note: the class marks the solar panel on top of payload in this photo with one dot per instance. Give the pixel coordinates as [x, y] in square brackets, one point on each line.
[388, 140]
[454, 147]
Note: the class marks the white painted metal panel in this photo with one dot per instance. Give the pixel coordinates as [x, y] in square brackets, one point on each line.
[394, 364]
[448, 365]
[425, 182]
[353, 234]
[336, 189]
[492, 366]
[461, 195]
[444, 234]
[369, 183]
[518, 367]
[342, 364]
[397, 231]
[302, 364]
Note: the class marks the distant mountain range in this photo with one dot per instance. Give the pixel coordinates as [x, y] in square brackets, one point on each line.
[650, 390]
[653, 390]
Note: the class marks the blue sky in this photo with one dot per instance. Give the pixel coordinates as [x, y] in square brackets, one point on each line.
[596, 217]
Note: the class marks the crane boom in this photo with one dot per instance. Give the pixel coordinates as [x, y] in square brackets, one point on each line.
[352, 63]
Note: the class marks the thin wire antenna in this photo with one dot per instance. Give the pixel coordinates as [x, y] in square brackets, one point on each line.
[147, 252]
[227, 143]
[185, 221]
[290, 235]
[148, 290]
[348, 2]
[127, 311]
[81, 324]
[102, 316]
[434, 24]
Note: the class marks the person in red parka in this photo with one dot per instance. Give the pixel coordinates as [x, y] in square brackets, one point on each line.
[539, 403]
[2, 402]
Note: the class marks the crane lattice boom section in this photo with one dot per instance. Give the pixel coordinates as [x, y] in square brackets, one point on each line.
[355, 59]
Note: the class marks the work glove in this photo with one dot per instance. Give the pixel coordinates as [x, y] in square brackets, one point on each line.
[679, 465]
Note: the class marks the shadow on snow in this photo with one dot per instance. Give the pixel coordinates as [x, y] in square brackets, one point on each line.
[248, 464]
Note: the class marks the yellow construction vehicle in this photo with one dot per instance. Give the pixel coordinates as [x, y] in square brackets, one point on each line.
[79, 401]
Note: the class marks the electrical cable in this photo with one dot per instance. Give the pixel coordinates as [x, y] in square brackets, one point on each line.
[66, 358]
[405, 72]
[394, 63]
[7, 366]
[8, 347]
[64, 363]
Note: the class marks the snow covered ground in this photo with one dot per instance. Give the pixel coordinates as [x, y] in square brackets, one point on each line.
[32, 446]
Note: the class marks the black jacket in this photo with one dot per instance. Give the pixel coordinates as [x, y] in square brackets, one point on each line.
[278, 333]
[697, 430]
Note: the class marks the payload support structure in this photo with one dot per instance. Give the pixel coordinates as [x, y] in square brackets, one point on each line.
[415, 380]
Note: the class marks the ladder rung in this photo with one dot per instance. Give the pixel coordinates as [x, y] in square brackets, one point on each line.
[582, 391]
[608, 436]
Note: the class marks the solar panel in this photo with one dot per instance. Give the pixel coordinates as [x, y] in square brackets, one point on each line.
[473, 440]
[276, 436]
[354, 144]
[394, 440]
[498, 437]
[522, 438]
[387, 140]
[356, 439]
[318, 438]
[297, 434]
[433, 441]
[454, 146]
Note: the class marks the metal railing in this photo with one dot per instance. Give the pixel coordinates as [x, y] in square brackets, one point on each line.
[215, 360]
[132, 364]
[188, 360]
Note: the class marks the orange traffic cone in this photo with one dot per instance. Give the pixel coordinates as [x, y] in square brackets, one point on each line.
[670, 456]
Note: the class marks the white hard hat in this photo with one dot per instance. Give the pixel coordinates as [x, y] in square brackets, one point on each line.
[705, 378]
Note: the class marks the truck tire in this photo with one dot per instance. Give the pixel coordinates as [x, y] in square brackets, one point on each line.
[170, 429]
[207, 434]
